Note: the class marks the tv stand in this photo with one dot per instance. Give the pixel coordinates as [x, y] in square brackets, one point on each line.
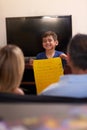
[28, 82]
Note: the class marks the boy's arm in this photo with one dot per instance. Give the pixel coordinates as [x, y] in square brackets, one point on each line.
[63, 56]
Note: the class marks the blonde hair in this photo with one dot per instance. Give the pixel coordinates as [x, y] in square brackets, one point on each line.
[11, 67]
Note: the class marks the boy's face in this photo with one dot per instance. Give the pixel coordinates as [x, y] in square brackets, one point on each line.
[49, 43]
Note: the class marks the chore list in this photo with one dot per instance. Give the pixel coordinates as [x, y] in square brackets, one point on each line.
[46, 72]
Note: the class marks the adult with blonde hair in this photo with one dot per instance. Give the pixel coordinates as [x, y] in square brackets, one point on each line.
[11, 69]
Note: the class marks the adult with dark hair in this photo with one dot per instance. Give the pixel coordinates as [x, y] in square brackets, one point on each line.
[75, 84]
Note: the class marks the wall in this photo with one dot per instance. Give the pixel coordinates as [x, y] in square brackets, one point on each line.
[13, 8]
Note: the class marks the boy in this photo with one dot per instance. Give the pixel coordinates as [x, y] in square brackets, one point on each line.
[49, 42]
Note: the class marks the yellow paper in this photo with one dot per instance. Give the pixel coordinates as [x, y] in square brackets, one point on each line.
[46, 72]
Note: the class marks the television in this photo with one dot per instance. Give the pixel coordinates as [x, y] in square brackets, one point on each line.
[26, 32]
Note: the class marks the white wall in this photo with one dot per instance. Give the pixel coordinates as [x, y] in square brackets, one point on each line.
[13, 8]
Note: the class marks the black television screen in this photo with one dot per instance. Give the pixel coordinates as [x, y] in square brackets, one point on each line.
[26, 32]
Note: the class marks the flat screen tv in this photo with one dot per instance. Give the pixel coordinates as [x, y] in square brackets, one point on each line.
[26, 32]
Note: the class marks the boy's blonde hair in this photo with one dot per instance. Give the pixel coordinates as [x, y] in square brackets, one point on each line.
[11, 67]
[50, 33]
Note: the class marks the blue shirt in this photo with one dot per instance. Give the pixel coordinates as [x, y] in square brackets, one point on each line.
[68, 86]
[42, 55]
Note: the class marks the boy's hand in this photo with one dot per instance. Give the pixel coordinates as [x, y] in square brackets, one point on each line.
[63, 56]
[31, 61]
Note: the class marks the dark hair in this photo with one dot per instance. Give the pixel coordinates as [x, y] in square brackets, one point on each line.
[77, 50]
[50, 33]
